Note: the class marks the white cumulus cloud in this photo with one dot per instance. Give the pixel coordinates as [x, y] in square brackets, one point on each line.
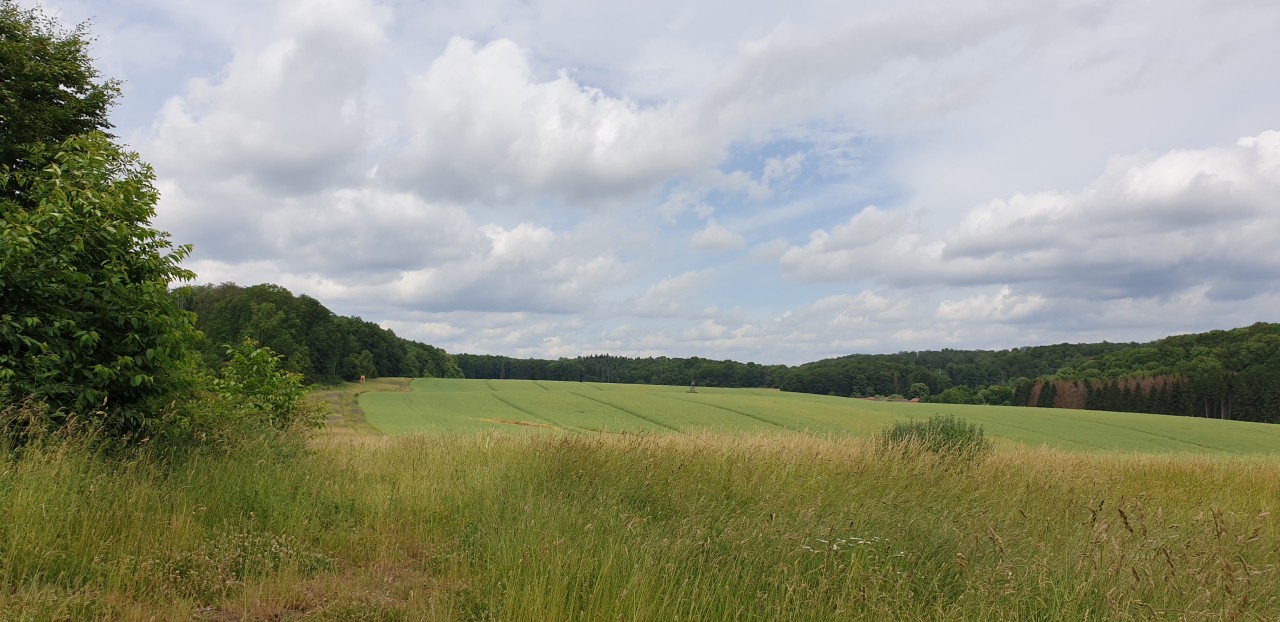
[287, 114]
[1148, 226]
[484, 126]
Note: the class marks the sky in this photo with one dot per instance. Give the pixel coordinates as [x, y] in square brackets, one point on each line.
[762, 181]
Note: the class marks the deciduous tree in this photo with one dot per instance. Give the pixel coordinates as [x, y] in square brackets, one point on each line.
[49, 89]
[86, 320]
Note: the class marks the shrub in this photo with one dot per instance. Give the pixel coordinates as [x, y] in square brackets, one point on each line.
[953, 395]
[252, 399]
[940, 434]
[253, 380]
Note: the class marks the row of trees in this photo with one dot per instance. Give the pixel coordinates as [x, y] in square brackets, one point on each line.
[313, 341]
[956, 375]
[861, 375]
[625, 370]
[1231, 374]
[856, 375]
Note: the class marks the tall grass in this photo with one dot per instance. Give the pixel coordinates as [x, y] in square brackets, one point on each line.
[634, 527]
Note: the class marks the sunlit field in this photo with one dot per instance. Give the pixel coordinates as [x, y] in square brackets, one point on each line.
[523, 406]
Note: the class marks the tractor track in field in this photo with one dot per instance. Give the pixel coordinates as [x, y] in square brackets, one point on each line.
[1158, 435]
[628, 411]
[744, 414]
[527, 411]
[1055, 437]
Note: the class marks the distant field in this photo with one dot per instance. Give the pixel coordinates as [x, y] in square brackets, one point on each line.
[437, 406]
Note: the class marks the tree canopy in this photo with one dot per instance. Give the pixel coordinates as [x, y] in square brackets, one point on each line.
[311, 339]
[86, 320]
[49, 89]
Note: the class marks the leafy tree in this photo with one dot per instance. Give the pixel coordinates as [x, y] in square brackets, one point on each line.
[918, 389]
[358, 365]
[87, 322]
[253, 380]
[995, 395]
[1022, 391]
[49, 89]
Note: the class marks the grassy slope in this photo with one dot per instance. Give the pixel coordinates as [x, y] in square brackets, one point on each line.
[447, 406]
[695, 526]
[638, 527]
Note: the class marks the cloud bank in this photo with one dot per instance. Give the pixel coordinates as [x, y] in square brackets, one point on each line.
[757, 181]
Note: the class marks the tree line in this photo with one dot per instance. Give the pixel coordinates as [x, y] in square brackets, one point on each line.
[1230, 374]
[624, 370]
[857, 375]
[312, 340]
[1226, 374]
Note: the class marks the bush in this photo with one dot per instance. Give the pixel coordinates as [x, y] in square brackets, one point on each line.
[253, 380]
[940, 434]
[252, 399]
[953, 395]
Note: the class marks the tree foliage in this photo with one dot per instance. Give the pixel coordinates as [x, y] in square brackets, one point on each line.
[87, 323]
[1226, 374]
[86, 320]
[621, 369]
[313, 341]
[49, 89]
[254, 381]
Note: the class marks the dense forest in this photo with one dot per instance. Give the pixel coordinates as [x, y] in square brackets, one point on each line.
[1230, 374]
[856, 375]
[322, 346]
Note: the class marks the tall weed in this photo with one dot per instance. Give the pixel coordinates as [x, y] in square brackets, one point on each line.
[946, 435]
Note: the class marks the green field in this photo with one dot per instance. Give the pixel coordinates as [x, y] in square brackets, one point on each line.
[526, 406]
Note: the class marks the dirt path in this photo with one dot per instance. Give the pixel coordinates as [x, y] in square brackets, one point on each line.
[342, 401]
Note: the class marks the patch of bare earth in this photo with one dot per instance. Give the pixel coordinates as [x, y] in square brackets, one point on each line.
[529, 424]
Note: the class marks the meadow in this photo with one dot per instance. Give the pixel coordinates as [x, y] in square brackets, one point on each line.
[523, 522]
[443, 406]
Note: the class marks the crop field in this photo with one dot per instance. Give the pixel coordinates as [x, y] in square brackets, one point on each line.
[439, 406]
